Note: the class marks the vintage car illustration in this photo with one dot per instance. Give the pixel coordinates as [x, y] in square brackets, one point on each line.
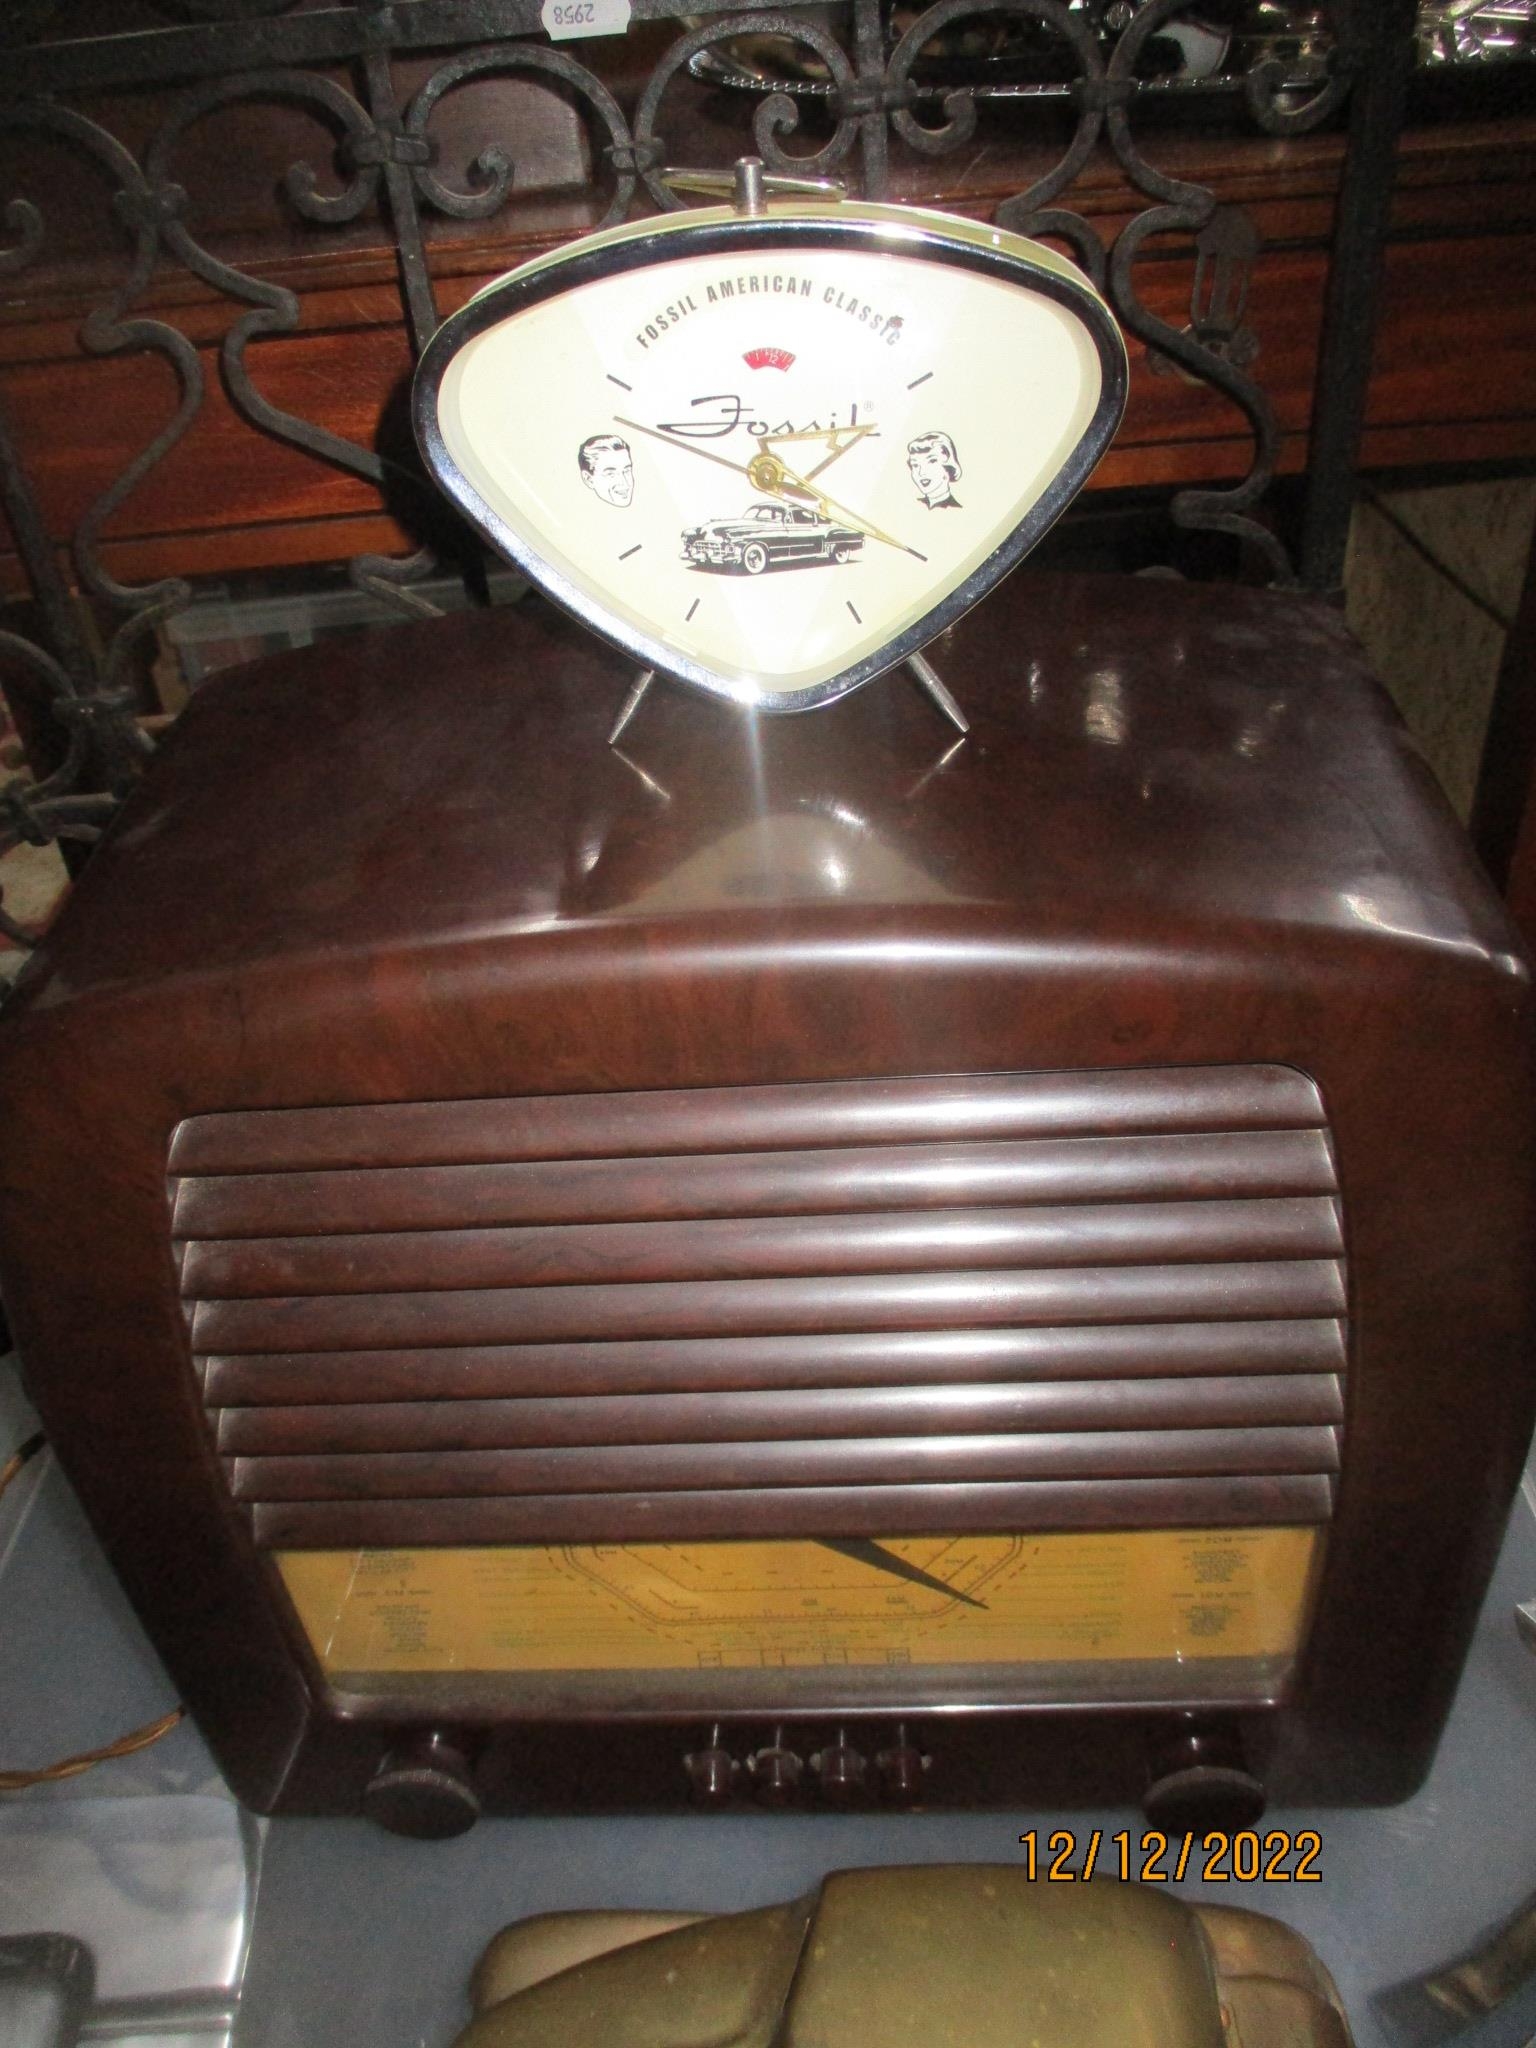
[765, 534]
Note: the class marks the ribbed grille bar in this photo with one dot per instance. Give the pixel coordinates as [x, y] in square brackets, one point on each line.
[836, 1359]
[900, 1301]
[632, 1253]
[796, 1511]
[829, 1411]
[1098, 1454]
[815, 1114]
[1221, 1163]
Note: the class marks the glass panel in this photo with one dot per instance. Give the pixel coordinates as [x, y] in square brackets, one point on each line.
[1135, 1614]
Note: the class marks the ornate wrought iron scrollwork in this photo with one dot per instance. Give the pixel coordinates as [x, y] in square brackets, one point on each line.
[1187, 208]
[776, 115]
[864, 105]
[493, 167]
[103, 742]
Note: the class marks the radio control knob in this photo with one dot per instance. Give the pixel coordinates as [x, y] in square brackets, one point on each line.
[1199, 1780]
[423, 1789]
[776, 1772]
[711, 1772]
[900, 1769]
[841, 1772]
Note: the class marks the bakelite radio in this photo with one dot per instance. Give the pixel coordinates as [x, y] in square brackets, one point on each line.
[801, 1257]
[795, 1240]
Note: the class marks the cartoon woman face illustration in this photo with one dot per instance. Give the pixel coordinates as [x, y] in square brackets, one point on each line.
[934, 468]
[608, 468]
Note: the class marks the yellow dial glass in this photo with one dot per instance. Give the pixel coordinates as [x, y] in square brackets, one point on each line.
[1145, 1612]
[769, 453]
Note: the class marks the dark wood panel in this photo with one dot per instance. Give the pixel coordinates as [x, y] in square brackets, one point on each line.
[840, 1359]
[652, 1254]
[1257, 1400]
[665, 1121]
[1293, 1162]
[1085, 1294]
[1284, 1499]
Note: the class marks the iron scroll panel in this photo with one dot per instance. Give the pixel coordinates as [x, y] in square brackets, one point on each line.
[211, 56]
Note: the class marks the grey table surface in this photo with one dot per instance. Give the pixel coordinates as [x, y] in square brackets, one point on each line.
[333, 1933]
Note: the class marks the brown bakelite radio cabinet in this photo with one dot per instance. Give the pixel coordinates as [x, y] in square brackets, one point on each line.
[798, 1260]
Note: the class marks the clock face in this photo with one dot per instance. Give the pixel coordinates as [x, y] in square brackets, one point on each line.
[771, 457]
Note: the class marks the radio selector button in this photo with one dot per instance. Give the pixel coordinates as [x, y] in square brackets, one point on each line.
[711, 1772]
[900, 1769]
[841, 1772]
[776, 1772]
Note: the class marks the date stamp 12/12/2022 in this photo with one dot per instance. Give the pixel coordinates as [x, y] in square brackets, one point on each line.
[1276, 1857]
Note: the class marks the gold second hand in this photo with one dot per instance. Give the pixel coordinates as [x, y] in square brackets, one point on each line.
[830, 505]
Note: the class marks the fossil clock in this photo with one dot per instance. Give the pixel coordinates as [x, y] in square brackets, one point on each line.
[772, 449]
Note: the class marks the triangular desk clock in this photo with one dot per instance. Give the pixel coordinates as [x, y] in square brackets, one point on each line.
[772, 450]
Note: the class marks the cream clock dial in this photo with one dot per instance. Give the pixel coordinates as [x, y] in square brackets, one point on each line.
[773, 455]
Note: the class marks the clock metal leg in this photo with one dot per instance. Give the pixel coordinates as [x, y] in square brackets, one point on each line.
[928, 682]
[631, 704]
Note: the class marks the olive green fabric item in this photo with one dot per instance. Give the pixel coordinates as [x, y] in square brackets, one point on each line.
[721, 1980]
[530, 1950]
[943, 1956]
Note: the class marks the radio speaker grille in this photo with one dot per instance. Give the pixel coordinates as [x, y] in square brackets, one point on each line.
[982, 1302]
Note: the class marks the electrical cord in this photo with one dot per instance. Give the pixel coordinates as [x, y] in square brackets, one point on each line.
[19, 1457]
[86, 1759]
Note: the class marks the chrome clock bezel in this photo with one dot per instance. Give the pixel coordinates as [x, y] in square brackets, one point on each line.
[888, 231]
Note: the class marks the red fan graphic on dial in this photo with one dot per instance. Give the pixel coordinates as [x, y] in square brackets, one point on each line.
[767, 359]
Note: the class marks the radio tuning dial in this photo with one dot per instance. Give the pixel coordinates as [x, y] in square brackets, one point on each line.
[423, 1789]
[1199, 1779]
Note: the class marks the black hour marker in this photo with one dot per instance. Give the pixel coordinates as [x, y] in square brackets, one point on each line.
[639, 544]
[856, 619]
[630, 387]
[691, 610]
[920, 380]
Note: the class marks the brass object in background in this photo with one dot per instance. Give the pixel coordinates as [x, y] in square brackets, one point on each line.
[976, 1953]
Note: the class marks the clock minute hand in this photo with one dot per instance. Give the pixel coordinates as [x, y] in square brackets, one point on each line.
[688, 447]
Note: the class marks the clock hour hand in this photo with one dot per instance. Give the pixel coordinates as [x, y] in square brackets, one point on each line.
[688, 447]
[862, 1550]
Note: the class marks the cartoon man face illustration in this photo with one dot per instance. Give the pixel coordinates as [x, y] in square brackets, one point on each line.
[608, 468]
[935, 469]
